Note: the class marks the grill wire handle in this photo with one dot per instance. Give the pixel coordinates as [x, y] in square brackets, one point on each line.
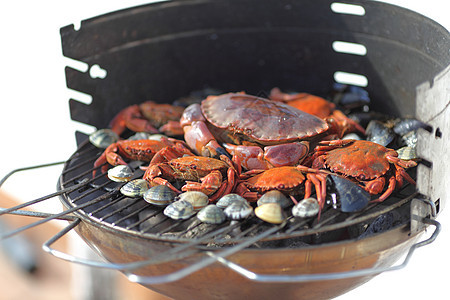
[220, 257]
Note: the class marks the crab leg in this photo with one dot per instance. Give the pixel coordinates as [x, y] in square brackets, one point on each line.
[132, 118]
[389, 190]
[208, 185]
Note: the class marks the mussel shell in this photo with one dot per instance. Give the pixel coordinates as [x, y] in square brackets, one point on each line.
[350, 96]
[179, 210]
[159, 195]
[306, 208]
[197, 199]
[275, 196]
[135, 188]
[379, 133]
[211, 214]
[350, 196]
[120, 173]
[406, 125]
[227, 199]
[407, 153]
[410, 139]
[102, 138]
[271, 213]
[238, 210]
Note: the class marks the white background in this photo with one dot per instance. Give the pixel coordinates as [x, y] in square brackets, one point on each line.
[36, 128]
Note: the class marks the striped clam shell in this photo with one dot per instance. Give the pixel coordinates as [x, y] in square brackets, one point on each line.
[159, 195]
[179, 210]
[135, 188]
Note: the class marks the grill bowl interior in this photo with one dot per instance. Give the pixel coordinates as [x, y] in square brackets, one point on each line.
[167, 50]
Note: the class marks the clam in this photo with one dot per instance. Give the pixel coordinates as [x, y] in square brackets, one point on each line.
[238, 210]
[179, 210]
[271, 213]
[306, 208]
[139, 136]
[226, 200]
[407, 153]
[102, 138]
[135, 188]
[211, 214]
[120, 173]
[159, 195]
[275, 196]
[197, 199]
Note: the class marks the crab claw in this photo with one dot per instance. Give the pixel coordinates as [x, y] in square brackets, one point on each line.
[254, 157]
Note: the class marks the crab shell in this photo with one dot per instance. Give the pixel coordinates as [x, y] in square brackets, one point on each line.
[285, 179]
[196, 167]
[259, 120]
[363, 160]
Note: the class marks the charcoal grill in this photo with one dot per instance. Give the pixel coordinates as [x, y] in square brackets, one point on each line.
[164, 51]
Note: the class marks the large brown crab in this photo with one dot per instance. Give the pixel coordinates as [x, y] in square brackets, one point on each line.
[260, 132]
[149, 117]
[366, 162]
[340, 124]
[211, 176]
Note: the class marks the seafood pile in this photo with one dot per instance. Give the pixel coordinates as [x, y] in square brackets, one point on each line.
[232, 155]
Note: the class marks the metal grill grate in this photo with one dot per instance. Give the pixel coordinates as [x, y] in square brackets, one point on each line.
[100, 200]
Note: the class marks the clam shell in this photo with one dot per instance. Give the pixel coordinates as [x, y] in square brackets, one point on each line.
[197, 199]
[226, 200]
[135, 188]
[120, 173]
[407, 153]
[179, 210]
[271, 213]
[238, 210]
[306, 208]
[211, 214]
[102, 138]
[159, 195]
[139, 136]
[275, 197]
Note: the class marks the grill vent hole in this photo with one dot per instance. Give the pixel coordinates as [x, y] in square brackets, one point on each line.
[97, 72]
[350, 78]
[349, 9]
[349, 48]
[438, 133]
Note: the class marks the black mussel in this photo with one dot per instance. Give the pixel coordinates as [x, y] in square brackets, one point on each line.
[347, 196]
[380, 133]
[406, 125]
[363, 118]
[350, 96]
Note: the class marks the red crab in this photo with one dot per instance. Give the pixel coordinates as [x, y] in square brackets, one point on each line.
[260, 132]
[149, 117]
[340, 124]
[288, 179]
[143, 150]
[201, 173]
[366, 162]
